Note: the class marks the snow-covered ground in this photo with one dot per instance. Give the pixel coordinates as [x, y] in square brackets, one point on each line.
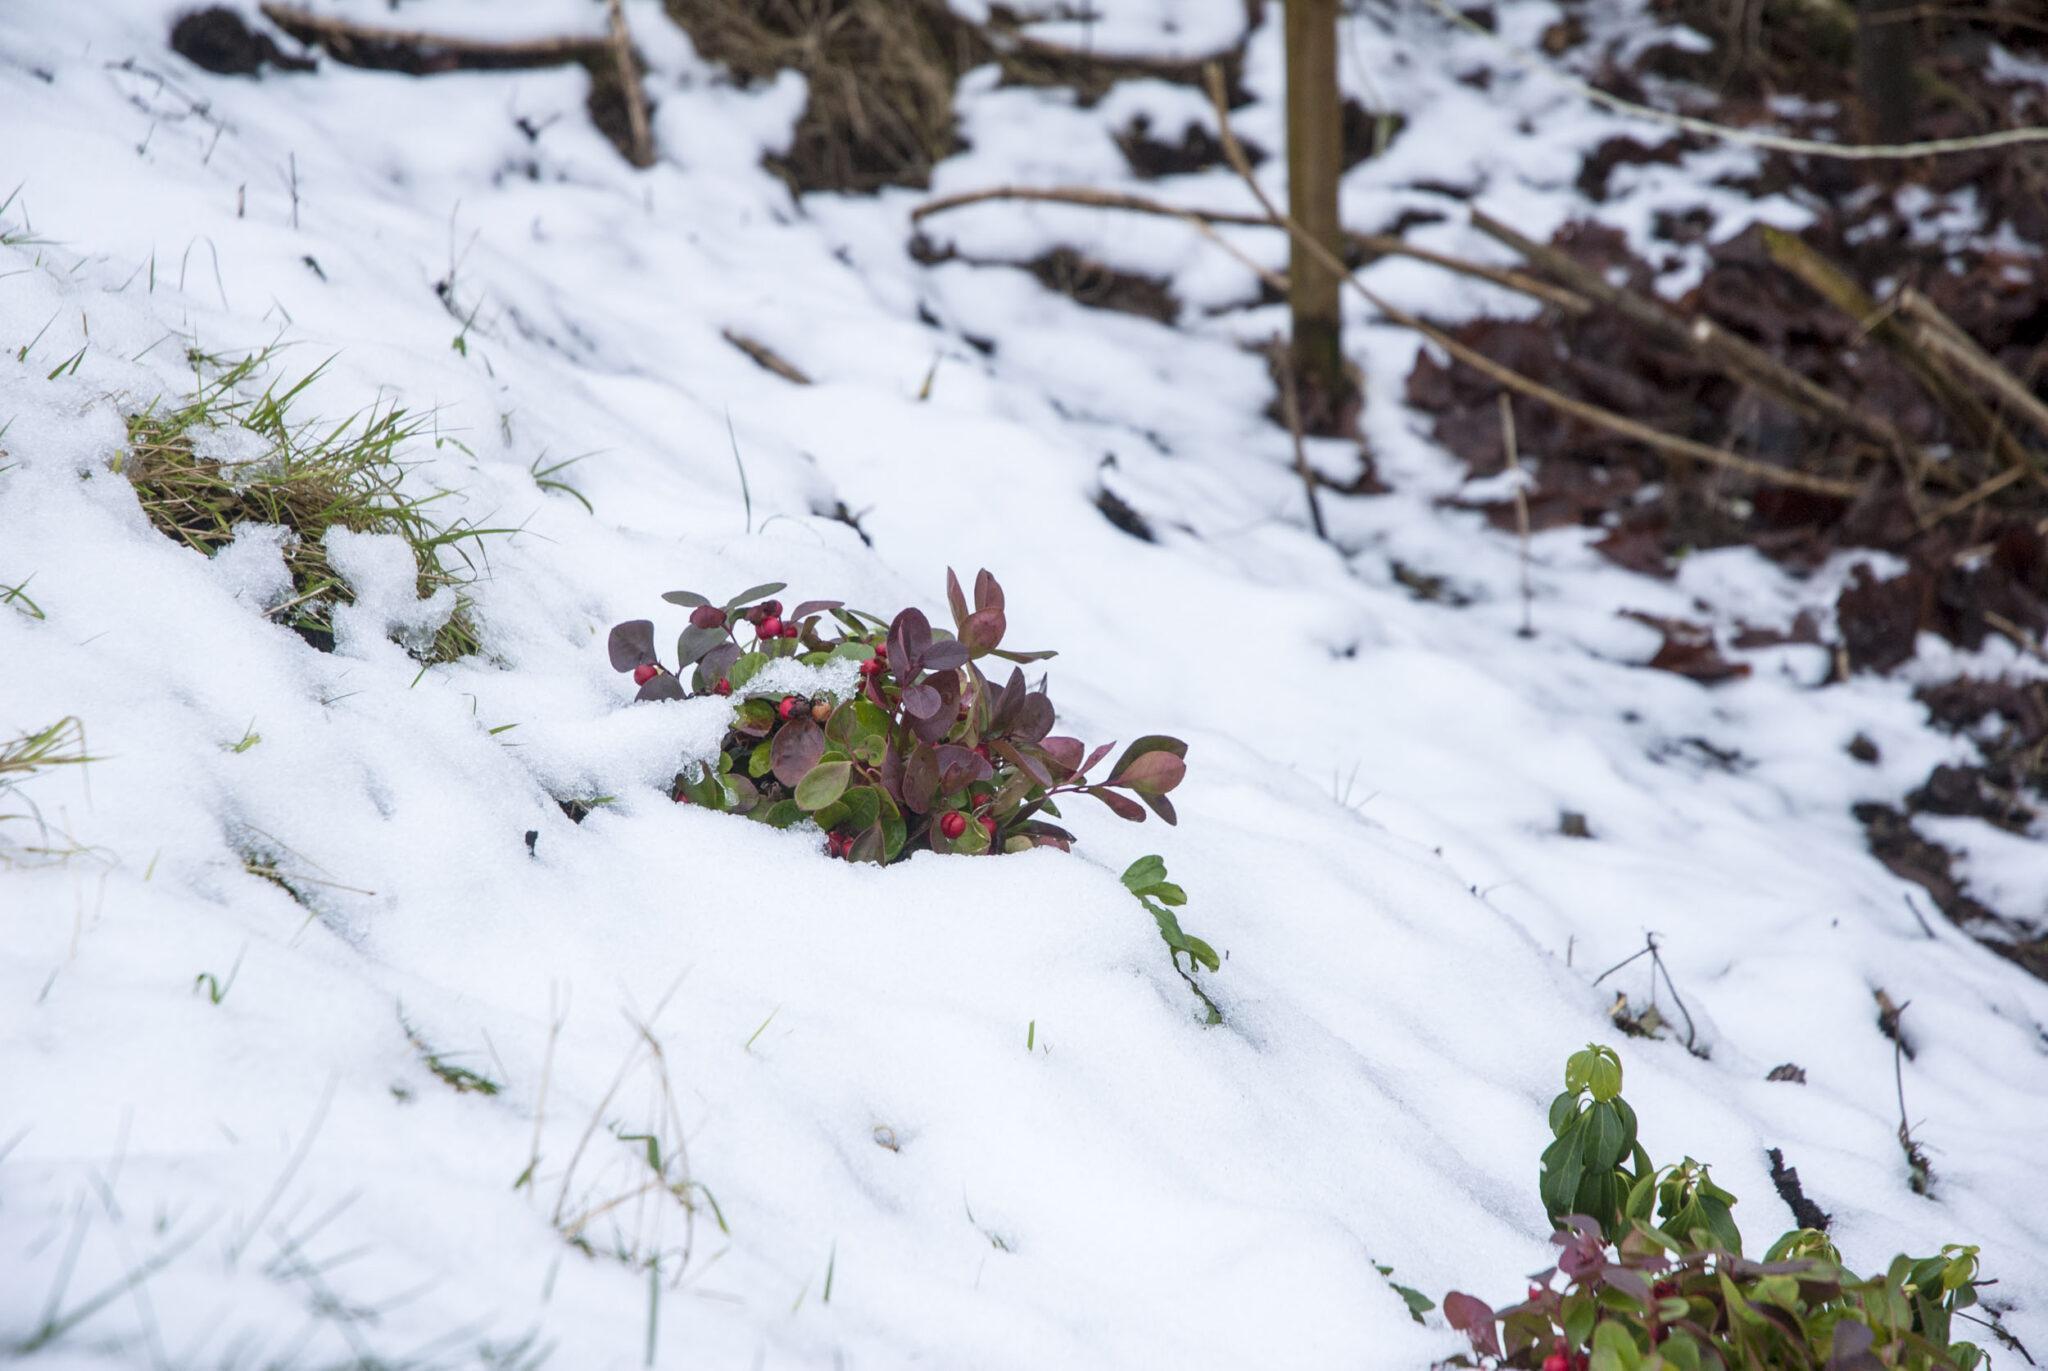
[952, 1113]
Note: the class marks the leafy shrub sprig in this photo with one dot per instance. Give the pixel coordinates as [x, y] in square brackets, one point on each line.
[1669, 1290]
[928, 752]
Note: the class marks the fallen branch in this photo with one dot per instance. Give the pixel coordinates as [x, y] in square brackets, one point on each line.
[1939, 333]
[1371, 244]
[1740, 359]
[374, 46]
[608, 57]
[1290, 401]
[766, 357]
[1835, 286]
[639, 148]
[1663, 444]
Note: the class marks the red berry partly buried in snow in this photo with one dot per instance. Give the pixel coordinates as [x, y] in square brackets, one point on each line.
[789, 706]
[645, 673]
[953, 823]
[724, 687]
[771, 627]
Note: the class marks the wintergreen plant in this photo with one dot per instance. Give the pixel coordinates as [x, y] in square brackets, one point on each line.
[1650, 1274]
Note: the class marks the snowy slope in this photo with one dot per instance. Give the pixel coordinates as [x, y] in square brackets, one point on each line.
[1370, 826]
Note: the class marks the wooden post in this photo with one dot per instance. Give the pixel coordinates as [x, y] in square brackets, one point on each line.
[1884, 69]
[1315, 160]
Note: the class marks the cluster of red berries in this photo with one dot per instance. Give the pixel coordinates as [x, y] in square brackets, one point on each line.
[766, 618]
[790, 706]
[953, 823]
[1562, 1358]
[877, 664]
[838, 845]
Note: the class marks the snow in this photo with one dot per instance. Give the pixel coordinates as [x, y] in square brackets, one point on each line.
[971, 1099]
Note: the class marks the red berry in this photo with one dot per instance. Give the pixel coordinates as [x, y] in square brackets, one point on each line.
[724, 687]
[988, 822]
[771, 627]
[1536, 1292]
[792, 630]
[870, 668]
[771, 609]
[789, 706]
[981, 751]
[1557, 1361]
[644, 673]
[882, 651]
[953, 823]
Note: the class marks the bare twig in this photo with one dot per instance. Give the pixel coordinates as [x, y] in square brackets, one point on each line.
[639, 138]
[1507, 437]
[766, 357]
[1371, 244]
[1736, 356]
[1674, 449]
[1811, 147]
[1939, 333]
[1290, 403]
[348, 41]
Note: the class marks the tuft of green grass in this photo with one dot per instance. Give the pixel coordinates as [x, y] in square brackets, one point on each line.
[312, 476]
[460, 1078]
[21, 759]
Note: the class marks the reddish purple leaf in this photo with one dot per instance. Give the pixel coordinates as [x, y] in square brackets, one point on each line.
[708, 616]
[946, 654]
[983, 630]
[1028, 765]
[796, 750]
[920, 779]
[987, 594]
[632, 644]
[1123, 806]
[1063, 753]
[921, 701]
[1475, 1319]
[1034, 718]
[1161, 806]
[662, 687]
[1152, 773]
[1097, 755]
[956, 600]
[810, 607]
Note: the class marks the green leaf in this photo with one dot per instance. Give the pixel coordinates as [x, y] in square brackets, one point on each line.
[1146, 871]
[743, 670]
[823, 784]
[1613, 1348]
[1604, 1147]
[1563, 1110]
[1563, 1166]
[761, 760]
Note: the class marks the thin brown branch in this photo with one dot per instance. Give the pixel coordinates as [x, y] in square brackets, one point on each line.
[351, 42]
[639, 148]
[1371, 244]
[767, 358]
[1663, 444]
[1290, 402]
[1736, 356]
